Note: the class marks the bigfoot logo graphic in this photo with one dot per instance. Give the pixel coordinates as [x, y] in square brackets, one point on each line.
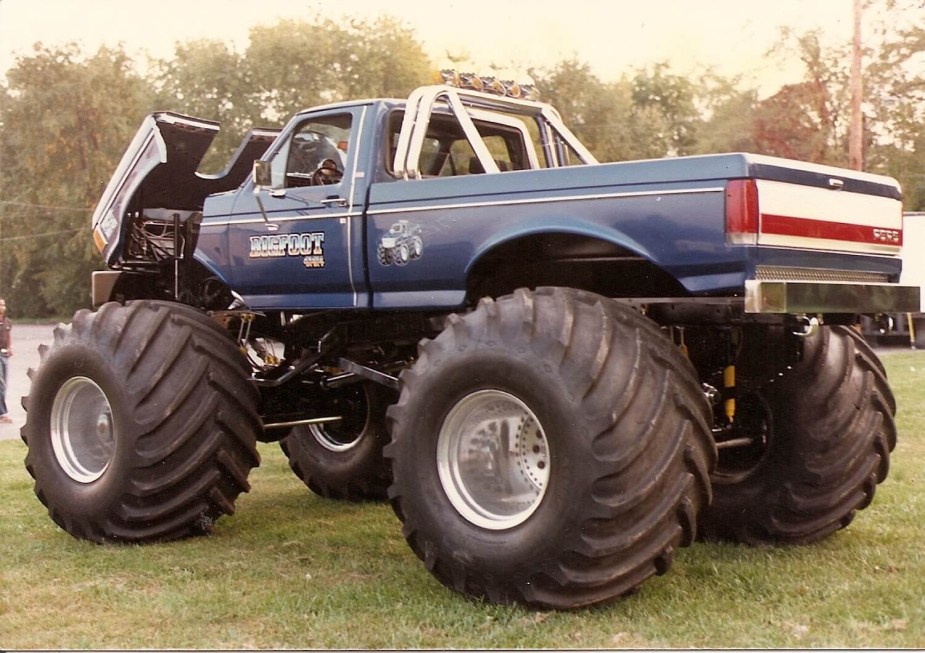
[308, 246]
[401, 244]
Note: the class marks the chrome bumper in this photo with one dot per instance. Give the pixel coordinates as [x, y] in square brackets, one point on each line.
[795, 297]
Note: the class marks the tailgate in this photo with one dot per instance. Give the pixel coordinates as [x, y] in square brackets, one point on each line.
[828, 239]
[795, 205]
[868, 221]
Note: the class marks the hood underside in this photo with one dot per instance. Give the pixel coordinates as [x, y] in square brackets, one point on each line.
[159, 172]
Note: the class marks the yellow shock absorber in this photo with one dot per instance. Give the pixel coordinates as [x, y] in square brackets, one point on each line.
[244, 331]
[729, 384]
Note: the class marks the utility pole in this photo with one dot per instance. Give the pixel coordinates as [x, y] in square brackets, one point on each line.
[856, 129]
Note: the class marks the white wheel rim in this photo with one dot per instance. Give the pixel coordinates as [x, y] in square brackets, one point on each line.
[493, 459]
[82, 432]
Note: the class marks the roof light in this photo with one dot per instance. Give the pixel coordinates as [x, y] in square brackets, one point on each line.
[487, 84]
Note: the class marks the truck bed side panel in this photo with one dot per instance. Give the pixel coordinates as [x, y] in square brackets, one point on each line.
[677, 223]
[670, 212]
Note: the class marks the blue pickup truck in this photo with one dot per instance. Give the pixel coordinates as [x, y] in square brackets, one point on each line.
[557, 371]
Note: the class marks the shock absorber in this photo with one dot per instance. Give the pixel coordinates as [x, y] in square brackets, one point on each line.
[729, 377]
[729, 387]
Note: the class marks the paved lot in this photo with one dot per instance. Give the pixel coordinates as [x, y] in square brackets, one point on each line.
[26, 341]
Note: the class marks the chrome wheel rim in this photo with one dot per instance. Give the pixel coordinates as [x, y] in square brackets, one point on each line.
[348, 432]
[493, 459]
[82, 431]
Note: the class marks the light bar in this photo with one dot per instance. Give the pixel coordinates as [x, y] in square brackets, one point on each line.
[487, 84]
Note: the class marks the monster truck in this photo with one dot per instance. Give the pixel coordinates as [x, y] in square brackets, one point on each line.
[401, 244]
[591, 366]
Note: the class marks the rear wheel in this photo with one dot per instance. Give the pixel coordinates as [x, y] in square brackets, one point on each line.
[343, 460]
[550, 448]
[828, 429]
[141, 423]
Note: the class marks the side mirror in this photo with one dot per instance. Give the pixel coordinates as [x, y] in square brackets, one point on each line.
[261, 175]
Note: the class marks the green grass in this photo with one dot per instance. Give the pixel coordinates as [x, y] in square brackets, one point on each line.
[291, 570]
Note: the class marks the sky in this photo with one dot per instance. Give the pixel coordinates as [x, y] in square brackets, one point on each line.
[612, 36]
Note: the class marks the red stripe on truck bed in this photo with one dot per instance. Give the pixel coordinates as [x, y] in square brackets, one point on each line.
[783, 225]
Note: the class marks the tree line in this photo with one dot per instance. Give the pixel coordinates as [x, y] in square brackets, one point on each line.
[67, 116]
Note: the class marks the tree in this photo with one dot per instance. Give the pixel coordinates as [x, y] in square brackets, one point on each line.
[673, 99]
[729, 112]
[208, 80]
[787, 125]
[66, 120]
[896, 112]
[578, 95]
[386, 60]
[297, 64]
[287, 67]
[605, 116]
[808, 120]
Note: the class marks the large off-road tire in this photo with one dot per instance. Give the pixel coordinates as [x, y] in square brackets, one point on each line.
[344, 460]
[549, 448]
[141, 423]
[830, 430]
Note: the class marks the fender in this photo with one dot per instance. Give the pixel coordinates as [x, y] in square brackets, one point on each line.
[566, 226]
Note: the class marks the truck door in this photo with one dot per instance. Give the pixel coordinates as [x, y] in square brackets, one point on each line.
[297, 243]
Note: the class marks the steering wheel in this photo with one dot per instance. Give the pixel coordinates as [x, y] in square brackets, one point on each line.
[327, 173]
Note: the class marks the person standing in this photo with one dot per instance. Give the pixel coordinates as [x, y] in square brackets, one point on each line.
[6, 350]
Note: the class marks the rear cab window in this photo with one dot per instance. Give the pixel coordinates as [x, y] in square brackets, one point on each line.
[446, 151]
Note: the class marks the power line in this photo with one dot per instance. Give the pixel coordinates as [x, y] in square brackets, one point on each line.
[49, 207]
[50, 233]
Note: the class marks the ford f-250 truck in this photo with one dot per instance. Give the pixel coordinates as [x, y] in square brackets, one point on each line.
[558, 371]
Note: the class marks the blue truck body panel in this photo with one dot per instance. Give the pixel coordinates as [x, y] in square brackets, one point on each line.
[676, 225]
[376, 241]
[670, 212]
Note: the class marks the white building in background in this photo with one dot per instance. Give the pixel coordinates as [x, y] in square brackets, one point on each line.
[913, 251]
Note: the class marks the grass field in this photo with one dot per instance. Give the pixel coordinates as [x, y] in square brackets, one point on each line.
[291, 570]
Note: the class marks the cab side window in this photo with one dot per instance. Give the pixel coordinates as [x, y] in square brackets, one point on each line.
[447, 153]
[315, 154]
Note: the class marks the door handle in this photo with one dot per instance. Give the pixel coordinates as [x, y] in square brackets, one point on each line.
[334, 201]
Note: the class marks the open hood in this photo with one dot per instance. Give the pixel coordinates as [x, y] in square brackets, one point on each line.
[159, 172]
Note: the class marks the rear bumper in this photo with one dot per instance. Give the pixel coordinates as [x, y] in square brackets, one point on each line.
[794, 297]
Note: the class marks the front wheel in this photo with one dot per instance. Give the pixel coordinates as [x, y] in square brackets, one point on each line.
[141, 423]
[550, 448]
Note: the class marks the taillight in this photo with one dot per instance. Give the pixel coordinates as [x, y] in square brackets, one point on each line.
[742, 212]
